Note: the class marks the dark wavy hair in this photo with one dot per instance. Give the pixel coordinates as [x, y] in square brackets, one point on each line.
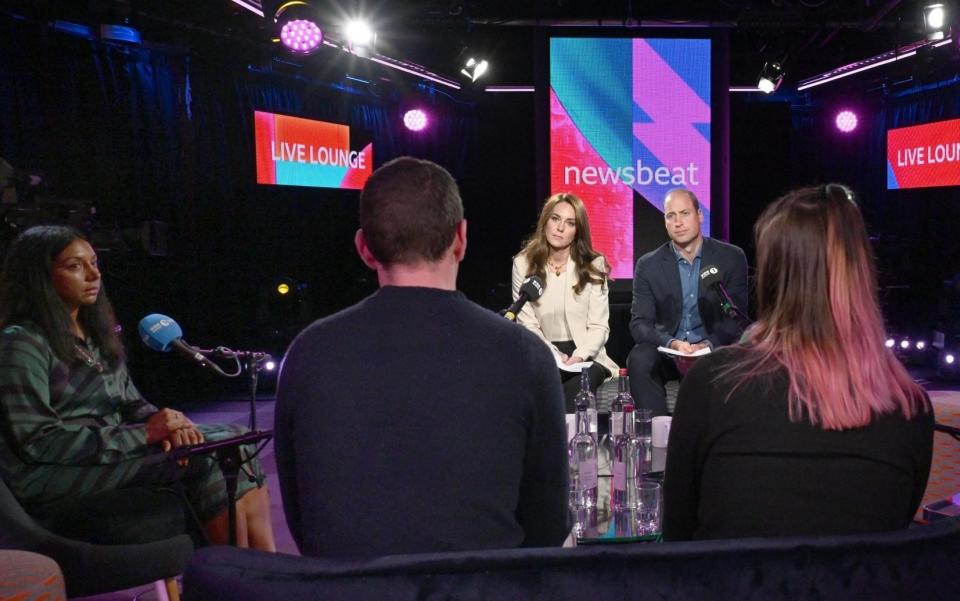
[27, 295]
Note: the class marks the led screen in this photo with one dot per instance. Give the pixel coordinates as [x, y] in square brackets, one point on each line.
[924, 156]
[629, 120]
[292, 151]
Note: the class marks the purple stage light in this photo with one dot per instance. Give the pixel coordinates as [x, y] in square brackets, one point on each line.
[301, 36]
[415, 119]
[846, 121]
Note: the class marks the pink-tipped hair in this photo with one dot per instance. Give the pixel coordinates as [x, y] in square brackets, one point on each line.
[819, 316]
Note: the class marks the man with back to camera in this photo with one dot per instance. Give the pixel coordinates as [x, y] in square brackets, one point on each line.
[416, 420]
[669, 307]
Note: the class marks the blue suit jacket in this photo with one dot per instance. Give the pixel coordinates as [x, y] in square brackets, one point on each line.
[655, 314]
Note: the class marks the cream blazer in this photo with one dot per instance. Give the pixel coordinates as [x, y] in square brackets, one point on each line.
[587, 314]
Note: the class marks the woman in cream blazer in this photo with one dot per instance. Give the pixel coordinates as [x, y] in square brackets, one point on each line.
[572, 315]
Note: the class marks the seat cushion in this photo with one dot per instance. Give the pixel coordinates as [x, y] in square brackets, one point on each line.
[27, 576]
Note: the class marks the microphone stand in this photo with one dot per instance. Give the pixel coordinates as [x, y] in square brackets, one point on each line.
[227, 451]
[253, 362]
[955, 432]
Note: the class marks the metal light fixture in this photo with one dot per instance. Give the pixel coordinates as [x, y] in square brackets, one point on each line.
[299, 31]
[771, 76]
[935, 20]
[360, 37]
[415, 120]
[846, 121]
[474, 68]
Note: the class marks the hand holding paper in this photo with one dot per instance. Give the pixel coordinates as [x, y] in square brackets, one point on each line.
[573, 367]
[684, 360]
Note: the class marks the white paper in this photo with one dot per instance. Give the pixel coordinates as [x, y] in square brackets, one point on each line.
[699, 353]
[574, 367]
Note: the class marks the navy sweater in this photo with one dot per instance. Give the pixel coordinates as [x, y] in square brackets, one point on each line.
[417, 421]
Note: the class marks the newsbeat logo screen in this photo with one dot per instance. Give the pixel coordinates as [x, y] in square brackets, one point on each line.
[924, 156]
[292, 151]
[630, 119]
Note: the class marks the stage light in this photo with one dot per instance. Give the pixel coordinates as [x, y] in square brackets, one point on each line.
[286, 286]
[904, 344]
[771, 76]
[949, 359]
[299, 31]
[474, 68]
[921, 345]
[359, 36]
[890, 343]
[934, 21]
[301, 36]
[415, 120]
[270, 365]
[846, 121]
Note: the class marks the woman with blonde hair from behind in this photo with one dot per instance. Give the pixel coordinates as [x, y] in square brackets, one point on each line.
[811, 426]
[572, 315]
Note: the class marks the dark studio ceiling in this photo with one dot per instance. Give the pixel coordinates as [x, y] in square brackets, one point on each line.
[811, 36]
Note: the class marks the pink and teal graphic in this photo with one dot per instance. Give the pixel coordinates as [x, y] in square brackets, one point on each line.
[292, 151]
[629, 121]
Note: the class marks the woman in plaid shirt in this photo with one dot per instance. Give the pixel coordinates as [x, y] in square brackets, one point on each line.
[71, 422]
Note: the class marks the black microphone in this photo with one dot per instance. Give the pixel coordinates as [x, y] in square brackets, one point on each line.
[710, 277]
[530, 290]
[162, 333]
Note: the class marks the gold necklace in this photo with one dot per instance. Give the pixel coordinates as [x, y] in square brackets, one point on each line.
[557, 269]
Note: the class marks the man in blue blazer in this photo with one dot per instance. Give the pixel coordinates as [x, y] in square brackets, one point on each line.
[669, 307]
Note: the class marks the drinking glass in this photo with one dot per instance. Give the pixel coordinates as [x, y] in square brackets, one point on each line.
[648, 507]
[644, 422]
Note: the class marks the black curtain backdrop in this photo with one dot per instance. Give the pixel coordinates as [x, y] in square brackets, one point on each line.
[914, 232]
[164, 133]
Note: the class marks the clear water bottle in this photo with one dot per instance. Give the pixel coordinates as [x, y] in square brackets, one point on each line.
[636, 450]
[587, 397]
[582, 452]
[620, 462]
[616, 407]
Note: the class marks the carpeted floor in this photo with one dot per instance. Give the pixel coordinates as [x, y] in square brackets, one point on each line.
[945, 472]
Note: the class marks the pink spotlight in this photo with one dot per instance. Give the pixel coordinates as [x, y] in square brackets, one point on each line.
[415, 119]
[301, 36]
[846, 121]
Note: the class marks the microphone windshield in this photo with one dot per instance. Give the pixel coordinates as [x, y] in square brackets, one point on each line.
[159, 331]
[709, 276]
[532, 287]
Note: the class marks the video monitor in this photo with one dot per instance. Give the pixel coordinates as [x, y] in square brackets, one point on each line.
[924, 156]
[293, 151]
[631, 118]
